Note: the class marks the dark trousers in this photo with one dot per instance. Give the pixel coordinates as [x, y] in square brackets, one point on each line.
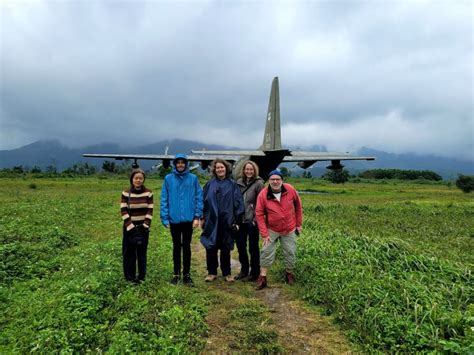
[182, 234]
[213, 264]
[211, 254]
[249, 232]
[134, 255]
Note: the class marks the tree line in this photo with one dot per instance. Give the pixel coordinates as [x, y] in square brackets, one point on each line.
[464, 182]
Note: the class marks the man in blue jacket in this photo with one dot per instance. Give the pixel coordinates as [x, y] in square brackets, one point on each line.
[181, 210]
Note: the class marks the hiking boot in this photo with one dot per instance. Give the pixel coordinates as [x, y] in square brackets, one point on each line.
[290, 278]
[241, 276]
[210, 278]
[188, 281]
[175, 280]
[261, 282]
[229, 278]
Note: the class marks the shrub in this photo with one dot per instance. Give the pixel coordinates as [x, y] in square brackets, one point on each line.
[339, 176]
[465, 183]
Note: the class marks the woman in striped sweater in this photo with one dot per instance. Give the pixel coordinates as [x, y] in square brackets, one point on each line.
[136, 207]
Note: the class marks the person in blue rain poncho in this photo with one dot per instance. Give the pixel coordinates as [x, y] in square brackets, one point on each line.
[223, 210]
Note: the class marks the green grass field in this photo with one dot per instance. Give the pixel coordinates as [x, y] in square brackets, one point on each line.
[391, 261]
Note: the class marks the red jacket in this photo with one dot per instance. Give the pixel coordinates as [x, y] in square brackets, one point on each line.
[280, 216]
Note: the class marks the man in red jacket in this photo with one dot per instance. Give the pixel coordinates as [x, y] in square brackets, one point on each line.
[279, 216]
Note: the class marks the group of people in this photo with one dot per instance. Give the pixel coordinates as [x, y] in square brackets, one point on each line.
[229, 212]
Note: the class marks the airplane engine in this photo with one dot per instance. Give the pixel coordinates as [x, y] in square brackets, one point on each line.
[306, 164]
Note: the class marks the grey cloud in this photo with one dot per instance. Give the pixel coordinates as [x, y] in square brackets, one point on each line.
[86, 72]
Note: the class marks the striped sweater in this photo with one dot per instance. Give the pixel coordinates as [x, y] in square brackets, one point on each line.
[140, 210]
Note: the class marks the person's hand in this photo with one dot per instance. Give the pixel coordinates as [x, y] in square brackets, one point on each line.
[166, 225]
[202, 223]
[235, 227]
[195, 223]
[299, 230]
[266, 241]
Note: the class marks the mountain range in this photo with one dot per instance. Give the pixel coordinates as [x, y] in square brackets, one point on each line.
[54, 153]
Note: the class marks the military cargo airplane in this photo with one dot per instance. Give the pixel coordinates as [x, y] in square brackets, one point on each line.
[268, 156]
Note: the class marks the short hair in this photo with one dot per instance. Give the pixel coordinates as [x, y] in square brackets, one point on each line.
[255, 168]
[228, 167]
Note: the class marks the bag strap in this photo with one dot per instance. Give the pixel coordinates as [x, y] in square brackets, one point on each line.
[249, 186]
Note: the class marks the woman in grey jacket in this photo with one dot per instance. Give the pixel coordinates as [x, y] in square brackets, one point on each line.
[250, 185]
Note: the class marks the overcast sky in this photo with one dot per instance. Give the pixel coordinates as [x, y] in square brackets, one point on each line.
[390, 75]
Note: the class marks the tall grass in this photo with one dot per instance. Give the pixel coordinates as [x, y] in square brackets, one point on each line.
[391, 299]
[394, 267]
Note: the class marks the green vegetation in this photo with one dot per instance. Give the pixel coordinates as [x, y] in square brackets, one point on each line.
[338, 176]
[400, 174]
[391, 261]
[61, 276]
[465, 183]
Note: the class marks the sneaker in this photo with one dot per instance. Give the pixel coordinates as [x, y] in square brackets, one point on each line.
[175, 280]
[290, 278]
[210, 278]
[241, 276]
[261, 282]
[188, 281]
[230, 278]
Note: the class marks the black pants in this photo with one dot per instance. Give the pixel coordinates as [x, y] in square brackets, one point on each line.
[182, 234]
[211, 254]
[134, 255]
[213, 264]
[249, 232]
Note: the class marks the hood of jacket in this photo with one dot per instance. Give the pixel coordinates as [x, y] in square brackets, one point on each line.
[186, 162]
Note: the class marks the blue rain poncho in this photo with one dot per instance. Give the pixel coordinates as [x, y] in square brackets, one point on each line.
[223, 206]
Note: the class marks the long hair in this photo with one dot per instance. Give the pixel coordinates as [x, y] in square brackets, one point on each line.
[255, 170]
[228, 167]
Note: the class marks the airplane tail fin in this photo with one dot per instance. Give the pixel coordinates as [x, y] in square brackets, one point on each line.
[272, 135]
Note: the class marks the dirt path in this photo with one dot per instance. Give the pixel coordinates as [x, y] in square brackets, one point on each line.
[270, 320]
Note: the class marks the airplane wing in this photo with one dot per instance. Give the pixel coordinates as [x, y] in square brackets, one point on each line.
[237, 153]
[166, 159]
[306, 159]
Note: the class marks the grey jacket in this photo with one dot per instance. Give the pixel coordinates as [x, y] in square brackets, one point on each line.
[250, 192]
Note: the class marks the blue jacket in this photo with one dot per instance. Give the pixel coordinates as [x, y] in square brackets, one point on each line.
[223, 206]
[181, 198]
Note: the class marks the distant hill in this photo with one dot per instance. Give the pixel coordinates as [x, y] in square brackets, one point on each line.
[52, 152]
